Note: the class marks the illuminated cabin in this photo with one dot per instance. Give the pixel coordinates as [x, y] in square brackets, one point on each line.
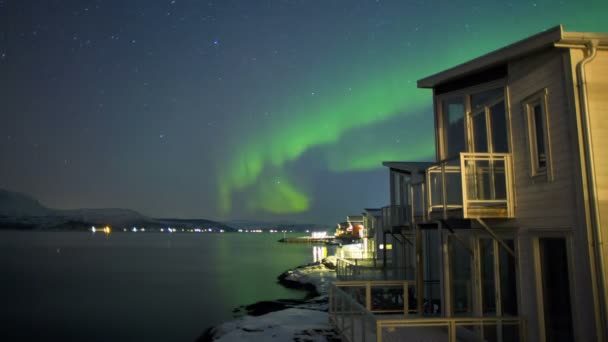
[372, 221]
[511, 215]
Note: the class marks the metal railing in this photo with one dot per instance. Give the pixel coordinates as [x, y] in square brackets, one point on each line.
[351, 319]
[358, 311]
[398, 216]
[444, 183]
[380, 296]
[417, 202]
[487, 184]
[369, 269]
[481, 184]
[490, 329]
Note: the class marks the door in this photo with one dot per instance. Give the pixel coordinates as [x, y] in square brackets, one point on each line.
[555, 289]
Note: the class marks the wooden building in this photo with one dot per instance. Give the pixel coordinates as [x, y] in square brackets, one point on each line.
[515, 210]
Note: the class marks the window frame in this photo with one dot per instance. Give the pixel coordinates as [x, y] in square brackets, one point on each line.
[465, 94]
[538, 98]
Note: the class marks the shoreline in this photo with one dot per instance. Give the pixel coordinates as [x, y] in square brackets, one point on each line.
[302, 319]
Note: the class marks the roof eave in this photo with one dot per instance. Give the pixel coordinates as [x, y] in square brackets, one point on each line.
[536, 42]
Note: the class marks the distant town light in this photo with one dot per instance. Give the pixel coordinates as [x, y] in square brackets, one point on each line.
[93, 229]
[319, 235]
[134, 230]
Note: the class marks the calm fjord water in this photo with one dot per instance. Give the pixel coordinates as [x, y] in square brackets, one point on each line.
[77, 286]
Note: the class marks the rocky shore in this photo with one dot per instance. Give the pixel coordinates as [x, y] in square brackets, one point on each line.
[285, 319]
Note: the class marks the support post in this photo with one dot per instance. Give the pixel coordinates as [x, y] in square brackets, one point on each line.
[496, 237]
[406, 299]
[368, 296]
[419, 272]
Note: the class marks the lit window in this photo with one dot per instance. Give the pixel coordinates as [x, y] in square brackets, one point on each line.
[538, 140]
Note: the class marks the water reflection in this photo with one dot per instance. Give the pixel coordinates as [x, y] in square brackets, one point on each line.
[319, 253]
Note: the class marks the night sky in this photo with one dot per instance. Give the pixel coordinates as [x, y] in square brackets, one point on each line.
[235, 109]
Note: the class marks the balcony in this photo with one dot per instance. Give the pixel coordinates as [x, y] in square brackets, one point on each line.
[382, 311]
[477, 185]
[396, 218]
[370, 269]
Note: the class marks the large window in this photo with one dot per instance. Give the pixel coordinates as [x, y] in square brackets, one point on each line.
[538, 139]
[489, 121]
[482, 115]
[453, 127]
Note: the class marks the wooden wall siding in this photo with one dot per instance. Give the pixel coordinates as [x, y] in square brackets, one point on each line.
[597, 88]
[542, 204]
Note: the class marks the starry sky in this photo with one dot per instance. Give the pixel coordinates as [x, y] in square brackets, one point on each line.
[266, 110]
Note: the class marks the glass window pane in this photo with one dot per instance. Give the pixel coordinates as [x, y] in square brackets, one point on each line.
[453, 123]
[500, 180]
[508, 287]
[498, 123]
[396, 189]
[461, 278]
[480, 133]
[480, 100]
[540, 136]
[488, 292]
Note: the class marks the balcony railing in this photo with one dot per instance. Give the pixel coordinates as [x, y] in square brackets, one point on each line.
[418, 202]
[357, 310]
[394, 217]
[369, 269]
[479, 184]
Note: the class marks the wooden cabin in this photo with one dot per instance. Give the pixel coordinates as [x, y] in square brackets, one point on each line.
[516, 206]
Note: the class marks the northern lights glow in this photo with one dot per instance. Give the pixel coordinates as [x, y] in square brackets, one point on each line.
[377, 96]
[236, 109]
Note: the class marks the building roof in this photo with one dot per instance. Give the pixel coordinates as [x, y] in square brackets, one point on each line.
[407, 167]
[354, 218]
[555, 36]
[372, 212]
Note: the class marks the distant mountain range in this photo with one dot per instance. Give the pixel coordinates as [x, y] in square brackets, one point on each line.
[20, 211]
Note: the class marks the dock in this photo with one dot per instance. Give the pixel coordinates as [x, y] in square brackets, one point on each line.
[308, 239]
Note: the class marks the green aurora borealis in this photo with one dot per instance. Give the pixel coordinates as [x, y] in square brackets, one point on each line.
[274, 110]
[364, 98]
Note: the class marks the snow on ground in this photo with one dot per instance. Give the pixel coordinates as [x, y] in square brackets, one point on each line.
[306, 322]
[286, 325]
[316, 274]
